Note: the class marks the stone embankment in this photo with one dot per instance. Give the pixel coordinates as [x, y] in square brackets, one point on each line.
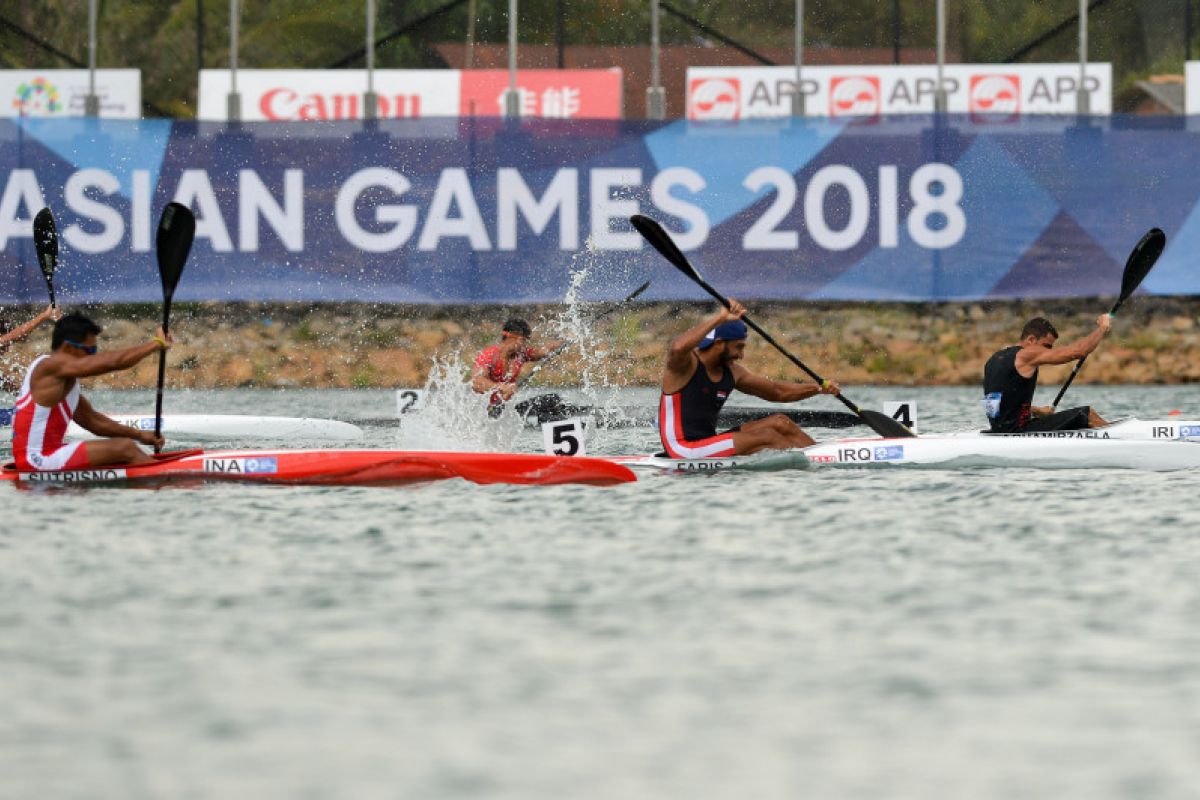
[264, 345]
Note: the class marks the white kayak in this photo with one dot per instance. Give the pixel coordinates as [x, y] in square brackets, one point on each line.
[210, 427]
[1132, 444]
[1132, 428]
[235, 427]
[954, 451]
[767, 461]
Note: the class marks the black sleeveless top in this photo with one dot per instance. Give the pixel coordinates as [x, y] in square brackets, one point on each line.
[1007, 395]
[700, 402]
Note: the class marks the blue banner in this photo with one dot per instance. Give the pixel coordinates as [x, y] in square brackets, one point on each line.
[487, 211]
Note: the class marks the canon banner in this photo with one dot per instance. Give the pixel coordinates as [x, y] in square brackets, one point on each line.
[61, 92]
[992, 92]
[286, 95]
[494, 211]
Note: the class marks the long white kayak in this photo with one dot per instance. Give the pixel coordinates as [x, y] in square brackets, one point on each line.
[768, 461]
[954, 451]
[225, 427]
[1132, 428]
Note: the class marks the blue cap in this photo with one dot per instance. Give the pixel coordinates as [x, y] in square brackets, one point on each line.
[726, 331]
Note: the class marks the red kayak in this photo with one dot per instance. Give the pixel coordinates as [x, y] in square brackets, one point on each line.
[341, 467]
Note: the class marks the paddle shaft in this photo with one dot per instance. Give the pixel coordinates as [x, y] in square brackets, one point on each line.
[162, 374]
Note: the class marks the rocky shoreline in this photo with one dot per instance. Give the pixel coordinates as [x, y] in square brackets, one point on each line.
[221, 345]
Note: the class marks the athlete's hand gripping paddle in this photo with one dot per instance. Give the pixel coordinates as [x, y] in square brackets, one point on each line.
[176, 229]
[654, 233]
[1138, 265]
[45, 242]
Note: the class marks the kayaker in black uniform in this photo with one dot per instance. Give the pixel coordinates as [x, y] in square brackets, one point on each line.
[1010, 377]
[701, 372]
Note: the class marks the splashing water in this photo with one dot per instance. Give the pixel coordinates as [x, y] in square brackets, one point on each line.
[455, 417]
[599, 383]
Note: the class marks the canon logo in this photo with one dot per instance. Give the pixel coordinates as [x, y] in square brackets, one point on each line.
[995, 94]
[854, 96]
[715, 98]
[285, 104]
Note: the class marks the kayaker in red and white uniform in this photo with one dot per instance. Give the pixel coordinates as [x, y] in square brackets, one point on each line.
[1010, 377]
[498, 367]
[701, 372]
[50, 399]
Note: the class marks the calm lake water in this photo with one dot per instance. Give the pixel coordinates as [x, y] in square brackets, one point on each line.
[826, 634]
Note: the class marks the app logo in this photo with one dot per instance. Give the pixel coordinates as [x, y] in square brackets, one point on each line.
[715, 98]
[37, 98]
[995, 94]
[854, 96]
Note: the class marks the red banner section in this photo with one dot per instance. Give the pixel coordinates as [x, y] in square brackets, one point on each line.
[548, 93]
[296, 95]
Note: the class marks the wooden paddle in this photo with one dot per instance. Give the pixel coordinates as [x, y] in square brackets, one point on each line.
[45, 242]
[1138, 265]
[176, 229]
[662, 242]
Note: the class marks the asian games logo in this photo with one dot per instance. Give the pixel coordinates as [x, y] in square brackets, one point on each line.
[715, 98]
[854, 96]
[37, 98]
[995, 95]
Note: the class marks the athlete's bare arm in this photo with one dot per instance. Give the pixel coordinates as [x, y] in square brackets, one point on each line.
[92, 420]
[538, 353]
[1030, 358]
[778, 391]
[680, 358]
[21, 331]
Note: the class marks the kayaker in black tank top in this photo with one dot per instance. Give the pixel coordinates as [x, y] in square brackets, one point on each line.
[1010, 378]
[701, 401]
[700, 373]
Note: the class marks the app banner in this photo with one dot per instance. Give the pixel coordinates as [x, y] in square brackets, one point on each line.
[279, 95]
[992, 92]
[61, 92]
[485, 210]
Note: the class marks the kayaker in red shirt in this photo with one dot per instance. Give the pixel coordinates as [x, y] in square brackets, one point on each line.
[498, 367]
[50, 399]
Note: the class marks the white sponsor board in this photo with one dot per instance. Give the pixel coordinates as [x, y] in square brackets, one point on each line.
[992, 91]
[296, 94]
[61, 92]
[1191, 95]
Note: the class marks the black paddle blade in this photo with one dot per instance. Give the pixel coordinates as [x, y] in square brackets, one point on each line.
[653, 233]
[45, 242]
[176, 229]
[1141, 260]
[884, 425]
